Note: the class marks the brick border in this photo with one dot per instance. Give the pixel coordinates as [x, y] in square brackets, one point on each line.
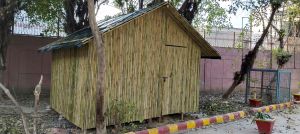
[172, 128]
[271, 108]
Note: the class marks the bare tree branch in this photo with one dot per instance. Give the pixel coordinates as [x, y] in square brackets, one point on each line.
[7, 92]
[275, 28]
[99, 3]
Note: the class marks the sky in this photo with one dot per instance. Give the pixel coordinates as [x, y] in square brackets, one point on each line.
[107, 10]
[236, 20]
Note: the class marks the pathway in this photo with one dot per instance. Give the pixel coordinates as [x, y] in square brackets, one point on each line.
[287, 122]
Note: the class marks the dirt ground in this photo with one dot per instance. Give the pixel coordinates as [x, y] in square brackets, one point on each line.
[211, 105]
[10, 120]
[287, 122]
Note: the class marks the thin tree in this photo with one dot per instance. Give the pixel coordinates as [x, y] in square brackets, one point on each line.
[7, 10]
[98, 41]
[249, 59]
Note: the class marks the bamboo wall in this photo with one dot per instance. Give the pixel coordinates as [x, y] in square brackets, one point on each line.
[150, 62]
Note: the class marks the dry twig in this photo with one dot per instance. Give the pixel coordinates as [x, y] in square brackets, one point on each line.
[7, 92]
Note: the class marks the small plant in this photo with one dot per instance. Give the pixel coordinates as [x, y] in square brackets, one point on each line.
[281, 56]
[238, 45]
[254, 102]
[262, 116]
[121, 111]
[264, 123]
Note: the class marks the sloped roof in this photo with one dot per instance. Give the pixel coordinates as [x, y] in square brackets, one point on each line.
[81, 37]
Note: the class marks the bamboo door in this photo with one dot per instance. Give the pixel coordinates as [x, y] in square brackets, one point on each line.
[172, 79]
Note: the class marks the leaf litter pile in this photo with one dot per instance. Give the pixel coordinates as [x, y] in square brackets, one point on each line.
[211, 105]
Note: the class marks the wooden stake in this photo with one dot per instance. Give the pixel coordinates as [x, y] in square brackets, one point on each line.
[36, 92]
[160, 119]
[182, 115]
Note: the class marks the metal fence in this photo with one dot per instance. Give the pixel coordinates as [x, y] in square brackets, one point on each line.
[272, 86]
[23, 25]
[237, 38]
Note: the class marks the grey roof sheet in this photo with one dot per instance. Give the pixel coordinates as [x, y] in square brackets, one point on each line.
[79, 38]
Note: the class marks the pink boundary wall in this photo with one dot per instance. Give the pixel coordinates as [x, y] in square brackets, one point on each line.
[217, 75]
[24, 64]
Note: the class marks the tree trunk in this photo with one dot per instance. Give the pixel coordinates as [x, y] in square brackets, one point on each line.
[141, 3]
[76, 15]
[189, 9]
[249, 59]
[280, 38]
[7, 9]
[70, 23]
[100, 109]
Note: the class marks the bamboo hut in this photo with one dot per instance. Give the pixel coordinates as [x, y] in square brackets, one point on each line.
[152, 61]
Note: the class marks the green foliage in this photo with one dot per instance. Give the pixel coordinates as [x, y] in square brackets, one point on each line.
[276, 3]
[294, 10]
[247, 5]
[211, 14]
[262, 116]
[281, 33]
[238, 45]
[240, 41]
[45, 11]
[126, 6]
[175, 3]
[251, 18]
[282, 56]
[121, 111]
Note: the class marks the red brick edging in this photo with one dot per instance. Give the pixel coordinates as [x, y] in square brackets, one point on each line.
[171, 128]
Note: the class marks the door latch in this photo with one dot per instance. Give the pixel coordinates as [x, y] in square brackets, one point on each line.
[164, 78]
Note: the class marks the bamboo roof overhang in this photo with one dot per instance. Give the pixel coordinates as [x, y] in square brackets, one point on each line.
[81, 37]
